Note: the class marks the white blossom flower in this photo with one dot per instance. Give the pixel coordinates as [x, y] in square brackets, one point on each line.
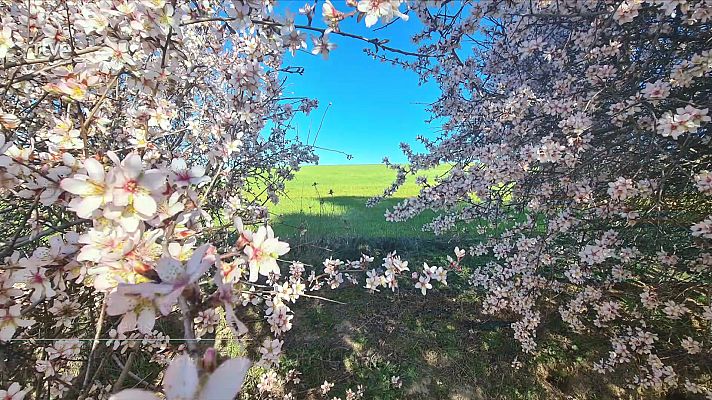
[384, 9]
[423, 284]
[322, 45]
[262, 253]
[35, 278]
[10, 320]
[658, 90]
[6, 42]
[132, 186]
[703, 228]
[270, 350]
[175, 277]
[183, 176]
[691, 345]
[674, 310]
[136, 311]
[91, 189]
[627, 11]
[703, 180]
[14, 391]
[326, 387]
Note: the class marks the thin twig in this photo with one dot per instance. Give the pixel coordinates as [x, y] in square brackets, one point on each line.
[124, 371]
[188, 331]
[95, 343]
[322, 298]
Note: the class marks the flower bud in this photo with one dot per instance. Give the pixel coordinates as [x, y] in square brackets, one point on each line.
[210, 360]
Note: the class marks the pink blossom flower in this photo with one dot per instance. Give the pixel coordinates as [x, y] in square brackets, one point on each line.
[331, 15]
[385, 9]
[35, 278]
[14, 391]
[322, 45]
[703, 228]
[262, 253]
[10, 320]
[656, 91]
[174, 278]
[703, 180]
[627, 11]
[183, 176]
[133, 187]
[423, 284]
[136, 310]
[225, 295]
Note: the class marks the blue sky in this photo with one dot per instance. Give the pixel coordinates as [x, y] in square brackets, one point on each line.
[374, 105]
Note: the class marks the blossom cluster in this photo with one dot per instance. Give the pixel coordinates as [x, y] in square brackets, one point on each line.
[576, 134]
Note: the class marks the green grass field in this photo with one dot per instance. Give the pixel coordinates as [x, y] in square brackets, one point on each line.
[330, 201]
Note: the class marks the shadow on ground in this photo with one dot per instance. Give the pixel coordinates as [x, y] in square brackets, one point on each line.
[439, 346]
[347, 216]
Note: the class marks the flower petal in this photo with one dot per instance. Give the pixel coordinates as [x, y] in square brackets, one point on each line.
[146, 320]
[181, 378]
[75, 186]
[117, 303]
[153, 179]
[87, 206]
[145, 204]
[259, 237]
[169, 269]
[132, 166]
[134, 394]
[94, 169]
[178, 164]
[129, 222]
[225, 382]
[203, 257]
[128, 322]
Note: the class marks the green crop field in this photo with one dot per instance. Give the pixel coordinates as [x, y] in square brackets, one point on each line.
[330, 201]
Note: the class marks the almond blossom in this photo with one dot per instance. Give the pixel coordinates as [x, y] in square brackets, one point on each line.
[331, 15]
[91, 188]
[13, 392]
[10, 320]
[136, 311]
[174, 276]
[183, 176]
[35, 278]
[133, 187]
[703, 228]
[574, 136]
[423, 284]
[6, 42]
[703, 180]
[380, 9]
[322, 45]
[262, 253]
[627, 11]
[657, 90]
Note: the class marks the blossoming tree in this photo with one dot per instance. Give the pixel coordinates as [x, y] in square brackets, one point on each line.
[578, 134]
